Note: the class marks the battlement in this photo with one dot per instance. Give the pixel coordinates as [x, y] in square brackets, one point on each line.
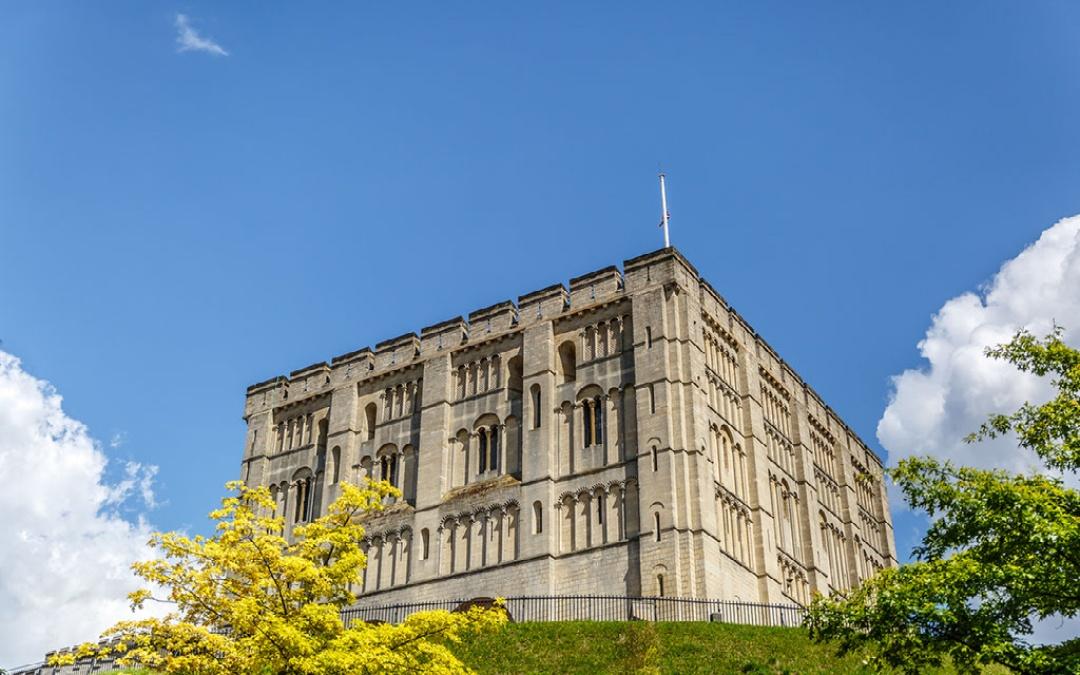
[540, 305]
[661, 267]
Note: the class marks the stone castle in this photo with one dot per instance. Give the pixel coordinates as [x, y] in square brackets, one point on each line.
[629, 436]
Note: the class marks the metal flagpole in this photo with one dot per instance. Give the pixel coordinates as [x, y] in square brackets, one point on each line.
[663, 205]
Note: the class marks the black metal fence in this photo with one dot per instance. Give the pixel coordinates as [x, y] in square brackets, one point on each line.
[541, 608]
[603, 608]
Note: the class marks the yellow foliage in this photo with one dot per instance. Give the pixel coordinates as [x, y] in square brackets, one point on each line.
[248, 601]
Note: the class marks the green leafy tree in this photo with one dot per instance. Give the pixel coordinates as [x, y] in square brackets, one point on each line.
[247, 600]
[1002, 549]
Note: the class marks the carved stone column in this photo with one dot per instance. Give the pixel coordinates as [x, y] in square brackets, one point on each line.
[584, 538]
[475, 542]
[462, 534]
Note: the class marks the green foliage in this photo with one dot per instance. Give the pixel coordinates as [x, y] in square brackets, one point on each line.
[1002, 549]
[247, 600]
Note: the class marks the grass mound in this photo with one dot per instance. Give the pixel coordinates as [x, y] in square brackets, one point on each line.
[642, 647]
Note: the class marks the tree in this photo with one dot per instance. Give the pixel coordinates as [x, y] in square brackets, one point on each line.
[1002, 549]
[247, 601]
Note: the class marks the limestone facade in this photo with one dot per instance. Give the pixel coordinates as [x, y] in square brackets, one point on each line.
[630, 435]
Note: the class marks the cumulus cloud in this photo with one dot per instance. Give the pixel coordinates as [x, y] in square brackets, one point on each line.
[65, 550]
[933, 407]
[188, 40]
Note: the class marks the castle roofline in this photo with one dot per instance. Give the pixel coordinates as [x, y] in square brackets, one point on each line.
[349, 355]
[546, 292]
[492, 310]
[266, 383]
[657, 255]
[400, 340]
[554, 300]
[442, 326]
[315, 366]
[608, 271]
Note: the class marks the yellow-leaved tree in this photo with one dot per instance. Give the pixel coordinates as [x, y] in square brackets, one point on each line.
[246, 600]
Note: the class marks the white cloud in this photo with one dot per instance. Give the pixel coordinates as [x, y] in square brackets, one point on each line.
[187, 40]
[137, 477]
[934, 407]
[65, 551]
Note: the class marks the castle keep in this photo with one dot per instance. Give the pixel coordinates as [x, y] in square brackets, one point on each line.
[630, 435]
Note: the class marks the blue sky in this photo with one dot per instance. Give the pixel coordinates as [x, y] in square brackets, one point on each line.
[176, 225]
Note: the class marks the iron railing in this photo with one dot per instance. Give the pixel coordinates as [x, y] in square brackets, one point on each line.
[540, 608]
[603, 608]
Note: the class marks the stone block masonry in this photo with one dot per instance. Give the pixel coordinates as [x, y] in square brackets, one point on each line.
[628, 435]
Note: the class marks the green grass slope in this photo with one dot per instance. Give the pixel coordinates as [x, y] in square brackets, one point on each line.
[640, 647]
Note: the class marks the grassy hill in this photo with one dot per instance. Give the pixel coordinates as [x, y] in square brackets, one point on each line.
[640, 647]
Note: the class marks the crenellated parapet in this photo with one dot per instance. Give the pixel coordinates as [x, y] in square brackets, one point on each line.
[552, 302]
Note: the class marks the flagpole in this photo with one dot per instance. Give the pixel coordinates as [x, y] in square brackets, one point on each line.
[663, 205]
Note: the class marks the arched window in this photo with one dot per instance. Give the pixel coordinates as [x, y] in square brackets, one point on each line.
[656, 524]
[586, 419]
[535, 391]
[655, 459]
[369, 418]
[592, 416]
[516, 373]
[493, 448]
[568, 361]
[652, 400]
[648, 337]
[335, 457]
[589, 340]
[486, 431]
[308, 494]
[660, 584]
[320, 464]
[483, 446]
[424, 544]
[388, 465]
[538, 517]
[302, 484]
[300, 502]
[598, 421]
[600, 509]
